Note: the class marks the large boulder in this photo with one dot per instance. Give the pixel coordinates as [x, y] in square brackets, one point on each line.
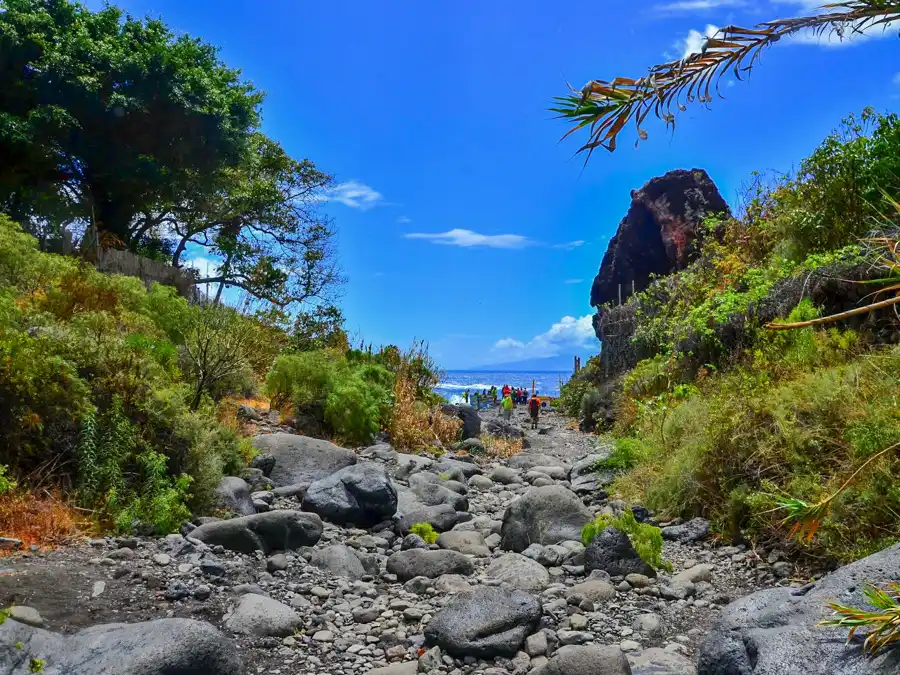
[261, 616]
[361, 495]
[469, 416]
[161, 647]
[612, 552]
[515, 570]
[233, 493]
[430, 491]
[660, 234]
[411, 510]
[500, 429]
[695, 529]
[339, 560]
[272, 531]
[543, 515]
[484, 622]
[417, 562]
[585, 478]
[467, 542]
[586, 660]
[301, 459]
[776, 631]
[656, 661]
[529, 460]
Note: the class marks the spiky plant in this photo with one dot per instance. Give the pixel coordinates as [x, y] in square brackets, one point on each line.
[804, 518]
[606, 106]
[883, 622]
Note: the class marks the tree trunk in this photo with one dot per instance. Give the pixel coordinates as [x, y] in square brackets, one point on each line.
[113, 219]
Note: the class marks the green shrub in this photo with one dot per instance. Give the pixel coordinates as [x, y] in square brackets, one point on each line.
[353, 409]
[426, 531]
[627, 453]
[301, 378]
[646, 539]
[571, 394]
[590, 409]
[6, 483]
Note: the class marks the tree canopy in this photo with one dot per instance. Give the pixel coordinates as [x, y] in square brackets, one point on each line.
[117, 122]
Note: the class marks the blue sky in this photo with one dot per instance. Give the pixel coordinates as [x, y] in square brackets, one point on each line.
[462, 220]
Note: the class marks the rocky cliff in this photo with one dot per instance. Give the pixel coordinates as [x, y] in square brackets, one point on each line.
[659, 234]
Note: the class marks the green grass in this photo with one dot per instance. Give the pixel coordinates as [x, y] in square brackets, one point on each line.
[646, 538]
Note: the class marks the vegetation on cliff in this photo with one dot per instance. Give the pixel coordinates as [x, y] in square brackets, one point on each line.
[726, 418]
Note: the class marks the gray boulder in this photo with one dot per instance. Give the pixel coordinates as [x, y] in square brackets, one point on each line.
[233, 493]
[339, 560]
[595, 590]
[161, 647]
[484, 622]
[262, 616]
[586, 660]
[410, 464]
[543, 515]
[466, 542]
[584, 478]
[411, 510]
[361, 495]
[528, 460]
[469, 416]
[381, 451]
[449, 465]
[612, 552]
[264, 462]
[300, 459]
[500, 429]
[417, 562]
[429, 489]
[266, 532]
[658, 661]
[519, 572]
[693, 530]
[776, 631]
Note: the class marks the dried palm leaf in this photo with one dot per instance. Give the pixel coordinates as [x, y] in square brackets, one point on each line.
[605, 107]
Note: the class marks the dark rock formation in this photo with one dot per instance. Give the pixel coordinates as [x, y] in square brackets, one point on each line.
[659, 234]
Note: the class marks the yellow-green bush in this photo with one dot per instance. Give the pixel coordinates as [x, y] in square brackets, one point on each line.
[93, 392]
[645, 538]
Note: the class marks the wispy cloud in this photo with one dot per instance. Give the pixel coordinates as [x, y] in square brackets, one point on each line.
[568, 335]
[572, 282]
[571, 245]
[403, 220]
[693, 43]
[469, 239]
[698, 5]
[896, 79]
[356, 195]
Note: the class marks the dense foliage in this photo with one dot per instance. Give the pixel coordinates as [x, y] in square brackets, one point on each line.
[116, 122]
[726, 418]
[96, 392]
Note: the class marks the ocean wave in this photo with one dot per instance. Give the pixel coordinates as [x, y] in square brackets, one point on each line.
[462, 387]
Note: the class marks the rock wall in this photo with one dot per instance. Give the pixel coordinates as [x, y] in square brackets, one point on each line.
[659, 234]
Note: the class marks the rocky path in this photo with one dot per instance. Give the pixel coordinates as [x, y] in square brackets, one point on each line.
[342, 587]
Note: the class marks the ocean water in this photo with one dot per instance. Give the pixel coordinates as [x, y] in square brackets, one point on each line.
[455, 382]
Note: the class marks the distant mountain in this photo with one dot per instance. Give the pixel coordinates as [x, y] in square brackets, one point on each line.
[548, 364]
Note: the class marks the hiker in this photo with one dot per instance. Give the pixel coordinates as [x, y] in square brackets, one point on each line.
[466, 396]
[506, 406]
[534, 409]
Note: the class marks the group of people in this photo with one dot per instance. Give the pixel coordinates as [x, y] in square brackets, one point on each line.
[510, 398]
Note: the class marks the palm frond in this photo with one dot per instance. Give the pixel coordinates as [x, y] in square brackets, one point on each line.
[884, 623]
[606, 107]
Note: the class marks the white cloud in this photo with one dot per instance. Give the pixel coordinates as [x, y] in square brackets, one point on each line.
[568, 335]
[468, 239]
[698, 5]
[205, 266]
[356, 195]
[404, 219]
[693, 43]
[571, 245]
[573, 281]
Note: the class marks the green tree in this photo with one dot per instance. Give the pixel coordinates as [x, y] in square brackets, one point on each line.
[215, 348]
[319, 328]
[260, 219]
[104, 115]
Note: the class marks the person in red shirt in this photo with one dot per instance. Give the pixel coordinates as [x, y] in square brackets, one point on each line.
[534, 408]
